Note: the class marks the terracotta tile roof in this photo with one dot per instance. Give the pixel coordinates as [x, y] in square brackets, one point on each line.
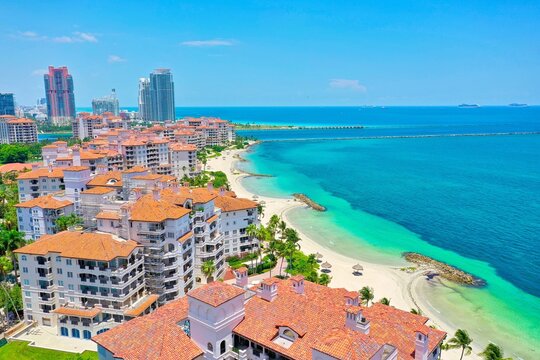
[76, 168]
[216, 293]
[182, 239]
[20, 121]
[229, 274]
[133, 142]
[108, 215]
[98, 190]
[135, 169]
[155, 336]
[183, 147]
[91, 155]
[43, 172]
[18, 167]
[343, 343]
[138, 310]
[227, 203]
[77, 245]
[212, 218]
[197, 195]
[112, 179]
[86, 313]
[147, 177]
[45, 202]
[151, 210]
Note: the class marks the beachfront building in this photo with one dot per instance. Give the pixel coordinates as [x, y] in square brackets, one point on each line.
[40, 182]
[82, 284]
[37, 217]
[15, 130]
[156, 96]
[277, 319]
[183, 160]
[88, 126]
[60, 96]
[236, 215]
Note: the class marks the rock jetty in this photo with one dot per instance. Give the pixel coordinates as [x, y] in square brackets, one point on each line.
[444, 270]
[306, 200]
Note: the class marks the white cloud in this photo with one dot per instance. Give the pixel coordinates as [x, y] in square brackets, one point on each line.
[347, 84]
[207, 43]
[29, 35]
[39, 72]
[75, 38]
[115, 59]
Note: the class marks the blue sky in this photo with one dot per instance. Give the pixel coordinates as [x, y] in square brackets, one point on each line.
[227, 53]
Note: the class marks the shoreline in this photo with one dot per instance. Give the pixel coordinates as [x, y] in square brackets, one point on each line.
[403, 288]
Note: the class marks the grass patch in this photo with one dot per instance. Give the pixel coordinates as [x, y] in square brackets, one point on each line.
[20, 350]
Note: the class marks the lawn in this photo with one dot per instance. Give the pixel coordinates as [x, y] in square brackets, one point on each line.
[21, 351]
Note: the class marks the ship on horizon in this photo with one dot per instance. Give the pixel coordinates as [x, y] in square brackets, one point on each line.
[468, 106]
[517, 105]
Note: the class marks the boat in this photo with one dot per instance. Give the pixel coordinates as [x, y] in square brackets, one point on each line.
[467, 106]
[518, 105]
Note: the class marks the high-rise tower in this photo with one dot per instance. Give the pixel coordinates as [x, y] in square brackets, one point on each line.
[7, 104]
[60, 96]
[156, 96]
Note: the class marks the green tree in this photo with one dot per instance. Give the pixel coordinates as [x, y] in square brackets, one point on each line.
[385, 301]
[252, 231]
[324, 279]
[416, 311]
[271, 249]
[6, 266]
[493, 352]
[66, 221]
[461, 340]
[273, 224]
[11, 240]
[366, 294]
[208, 267]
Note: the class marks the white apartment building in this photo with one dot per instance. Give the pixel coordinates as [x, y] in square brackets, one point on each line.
[82, 284]
[276, 320]
[40, 182]
[236, 215]
[37, 217]
[183, 159]
[17, 130]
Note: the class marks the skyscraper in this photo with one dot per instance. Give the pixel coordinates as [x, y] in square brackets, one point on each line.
[106, 104]
[60, 96]
[7, 104]
[156, 96]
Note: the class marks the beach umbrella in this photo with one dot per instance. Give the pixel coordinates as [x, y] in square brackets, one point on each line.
[326, 265]
[318, 255]
[255, 197]
[358, 267]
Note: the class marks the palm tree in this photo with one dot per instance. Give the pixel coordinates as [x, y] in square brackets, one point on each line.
[282, 227]
[208, 268]
[493, 352]
[366, 294]
[324, 279]
[11, 240]
[385, 301]
[461, 340]
[6, 266]
[252, 232]
[416, 311]
[66, 221]
[292, 240]
[260, 210]
[273, 224]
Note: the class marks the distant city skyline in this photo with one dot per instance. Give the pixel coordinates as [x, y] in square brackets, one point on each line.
[252, 53]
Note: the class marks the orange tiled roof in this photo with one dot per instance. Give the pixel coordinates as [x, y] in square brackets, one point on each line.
[182, 239]
[86, 313]
[216, 293]
[98, 190]
[183, 147]
[147, 177]
[18, 167]
[151, 210]
[138, 310]
[105, 179]
[197, 195]
[44, 172]
[108, 215]
[20, 121]
[45, 202]
[228, 203]
[136, 169]
[155, 336]
[212, 218]
[76, 168]
[81, 245]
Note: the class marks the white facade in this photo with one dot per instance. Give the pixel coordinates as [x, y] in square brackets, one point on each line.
[40, 182]
[37, 218]
[233, 227]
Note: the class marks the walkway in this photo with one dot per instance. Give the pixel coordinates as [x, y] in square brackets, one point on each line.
[45, 337]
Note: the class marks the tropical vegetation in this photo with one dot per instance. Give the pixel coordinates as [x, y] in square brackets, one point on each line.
[461, 340]
[64, 222]
[366, 295]
[21, 350]
[493, 352]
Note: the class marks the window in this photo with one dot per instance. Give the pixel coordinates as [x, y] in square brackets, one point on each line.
[26, 282]
[28, 305]
[23, 258]
[71, 287]
[70, 274]
[58, 259]
[75, 333]
[25, 270]
[61, 295]
[64, 331]
[87, 334]
[27, 293]
[59, 271]
[222, 347]
[68, 261]
[60, 283]
[71, 299]
[210, 347]
[102, 330]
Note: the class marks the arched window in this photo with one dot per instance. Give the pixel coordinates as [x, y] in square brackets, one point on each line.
[87, 334]
[222, 347]
[102, 330]
[289, 333]
[210, 347]
[64, 331]
[75, 333]
[170, 247]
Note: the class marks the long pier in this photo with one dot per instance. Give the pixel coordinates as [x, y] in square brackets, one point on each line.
[518, 133]
[278, 127]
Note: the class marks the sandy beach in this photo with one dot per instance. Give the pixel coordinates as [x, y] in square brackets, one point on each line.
[401, 287]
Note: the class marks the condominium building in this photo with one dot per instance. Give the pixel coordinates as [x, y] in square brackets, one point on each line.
[106, 104]
[156, 96]
[7, 104]
[17, 130]
[82, 284]
[183, 160]
[60, 96]
[37, 217]
[236, 215]
[277, 319]
[40, 182]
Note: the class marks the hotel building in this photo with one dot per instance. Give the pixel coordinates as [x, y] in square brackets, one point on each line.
[277, 319]
[14, 130]
[60, 96]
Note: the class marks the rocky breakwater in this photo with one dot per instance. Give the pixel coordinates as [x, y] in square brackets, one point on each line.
[444, 270]
[306, 200]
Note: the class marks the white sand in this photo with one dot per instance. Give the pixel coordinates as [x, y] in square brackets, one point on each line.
[386, 281]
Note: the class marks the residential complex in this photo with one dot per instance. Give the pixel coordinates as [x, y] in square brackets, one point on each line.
[82, 284]
[277, 319]
[106, 104]
[17, 130]
[7, 104]
[60, 96]
[156, 96]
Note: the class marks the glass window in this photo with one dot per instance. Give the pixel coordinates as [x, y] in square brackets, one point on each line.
[59, 271]
[26, 282]
[70, 274]
[25, 270]
[23, 258]
[68, 261]
[64, 331]
[75, 333]
[60, 283]
[71, 287]
[27, 293]
[87, 334]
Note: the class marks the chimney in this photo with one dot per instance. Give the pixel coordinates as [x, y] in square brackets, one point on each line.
[351, 298]
[421, 348]
[268, 289]
[50, 168]
[298, 284]
[35, 166]
[210, 186]
[175, 187]
[241, 275]
[101, 169]
[155, 193]
[221, 191]
[355, 321]
[76, 156]
[186, 184]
